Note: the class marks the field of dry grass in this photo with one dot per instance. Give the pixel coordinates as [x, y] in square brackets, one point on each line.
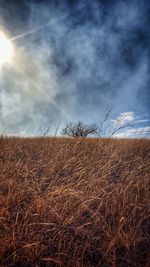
[73, 202]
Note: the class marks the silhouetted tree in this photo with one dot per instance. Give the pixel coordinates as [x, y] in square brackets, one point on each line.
[80, 129]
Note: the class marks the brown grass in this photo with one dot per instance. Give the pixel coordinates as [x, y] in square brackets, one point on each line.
[73, 202]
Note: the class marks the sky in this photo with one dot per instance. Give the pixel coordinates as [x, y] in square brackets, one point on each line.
[76, 60]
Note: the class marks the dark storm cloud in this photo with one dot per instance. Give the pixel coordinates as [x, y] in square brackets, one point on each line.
[93, 58]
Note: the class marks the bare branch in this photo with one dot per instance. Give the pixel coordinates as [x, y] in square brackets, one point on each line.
[80, 129]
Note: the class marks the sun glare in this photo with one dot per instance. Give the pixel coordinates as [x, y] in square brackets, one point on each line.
[6, 49]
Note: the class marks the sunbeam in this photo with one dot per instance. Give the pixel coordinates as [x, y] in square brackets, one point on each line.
[19, 36]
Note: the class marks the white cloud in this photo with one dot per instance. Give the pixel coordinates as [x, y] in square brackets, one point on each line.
[124, 118]
[144, 120]
[142, 130]
[136, 132]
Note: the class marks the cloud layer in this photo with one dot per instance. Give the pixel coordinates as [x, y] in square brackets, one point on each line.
[91, 56]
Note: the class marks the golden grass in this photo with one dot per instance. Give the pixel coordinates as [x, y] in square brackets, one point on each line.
[74, 202]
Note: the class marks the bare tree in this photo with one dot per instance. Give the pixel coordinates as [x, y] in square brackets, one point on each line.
[80, 129]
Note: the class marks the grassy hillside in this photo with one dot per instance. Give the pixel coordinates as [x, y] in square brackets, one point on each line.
[76, 203]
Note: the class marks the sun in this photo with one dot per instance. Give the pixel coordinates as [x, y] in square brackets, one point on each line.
[6, 49]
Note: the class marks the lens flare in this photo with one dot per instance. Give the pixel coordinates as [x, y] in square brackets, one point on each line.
[6, 49]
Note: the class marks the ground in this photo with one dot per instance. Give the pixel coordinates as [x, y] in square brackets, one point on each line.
[74, 202]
